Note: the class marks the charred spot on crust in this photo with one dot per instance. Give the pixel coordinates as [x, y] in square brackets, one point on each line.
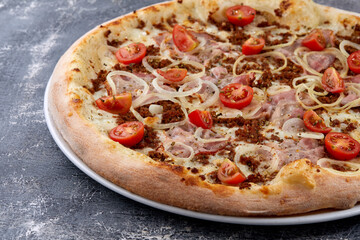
[114, 43]
[284, 5]
[107, 33]
[141, 24]
[76, 70]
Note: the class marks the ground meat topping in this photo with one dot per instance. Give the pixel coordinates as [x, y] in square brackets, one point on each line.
[257, 179]
[114, 43]
[151, 50]
[250, 161]
[150, 139]
[158, 156]
[159, 63]
[202, 158]
[265, 81]
[250, 132]
[354, 37]
[101, 78]
[330, 98]
[228, 122]
[343, 168]
[132, 67]
[171, 111]
[123, 118]
[290, 72]
[238, 37]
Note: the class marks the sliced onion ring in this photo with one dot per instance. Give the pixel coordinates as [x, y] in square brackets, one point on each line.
[177, 93]
[173, 143]
[157, 97]
[197, 135]
[130, 75]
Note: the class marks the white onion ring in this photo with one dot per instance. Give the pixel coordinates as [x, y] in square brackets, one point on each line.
[134, 77]
[245, 148]
[209, 101]
[159, 97]
[323, 161]
[189, 77]
[173, 143]
[276, 89]
[347, 43]
[261, 55]
[197, 135]
[177, 93]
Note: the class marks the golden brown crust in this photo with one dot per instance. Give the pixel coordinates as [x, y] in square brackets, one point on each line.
[299, 187]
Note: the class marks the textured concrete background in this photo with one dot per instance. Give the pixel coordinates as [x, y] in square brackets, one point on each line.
[42, 194]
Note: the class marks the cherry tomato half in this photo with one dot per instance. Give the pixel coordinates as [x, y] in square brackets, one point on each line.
[118, 104]
[183, 39]
[229, 173]
[354, 62]
[236, 95]
[173, 74]
[253, 46]
[332, 82]
[315, 41]
[341, 146]
[201, 119]
[132, 53]
[240, 15]
[128, 134]
[315, 123]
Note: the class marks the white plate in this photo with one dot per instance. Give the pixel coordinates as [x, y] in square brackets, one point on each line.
[315, 217]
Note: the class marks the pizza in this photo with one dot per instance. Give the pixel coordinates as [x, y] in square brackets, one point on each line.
[238, 108]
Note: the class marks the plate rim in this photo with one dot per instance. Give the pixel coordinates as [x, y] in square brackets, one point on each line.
[309, 218]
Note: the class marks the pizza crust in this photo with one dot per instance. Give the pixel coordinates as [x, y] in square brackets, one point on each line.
[298, 188]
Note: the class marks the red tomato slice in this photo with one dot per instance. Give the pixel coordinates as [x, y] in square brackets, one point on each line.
[354, 62]
[236, 95]
[315, 123]
[315, 41]
[240, 15]
[332, 82]
[118, 104]
[201, 119]
[132, 53]
[253, 46]
[183, 39]
[128, 134]
[173, 74]
[229, 173]
[341, 146]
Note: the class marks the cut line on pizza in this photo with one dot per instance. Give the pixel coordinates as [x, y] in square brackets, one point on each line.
[238, 108]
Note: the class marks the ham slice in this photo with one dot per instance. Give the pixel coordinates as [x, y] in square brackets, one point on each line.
[354, 79]
[349, 98]
[320, 61]
[329, 37]
[219, 72]
[288, 96]
[185, 134]
[290, 150]
[244, 79]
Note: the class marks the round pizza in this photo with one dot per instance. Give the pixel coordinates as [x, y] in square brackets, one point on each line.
[238, 108]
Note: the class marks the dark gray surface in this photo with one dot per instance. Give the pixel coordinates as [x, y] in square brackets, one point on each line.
[42, 194]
